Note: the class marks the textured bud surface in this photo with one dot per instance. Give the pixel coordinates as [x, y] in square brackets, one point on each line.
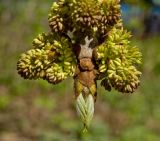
[52, 59]
[117, 59]
[87, 41]
[85, 109]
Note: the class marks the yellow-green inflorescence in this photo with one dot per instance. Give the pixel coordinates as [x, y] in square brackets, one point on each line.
[117, 61]
[51, 59]
[87, 42]
[84, 16]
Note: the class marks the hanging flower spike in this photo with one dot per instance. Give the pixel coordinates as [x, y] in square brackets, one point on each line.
[87, 42]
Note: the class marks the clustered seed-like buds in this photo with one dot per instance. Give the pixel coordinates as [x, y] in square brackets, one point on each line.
[123, 77]
[58, 72]
[87, 41]
[110, 15]
[52, 59]
[65, 63]
[116, 60]
[31, 64]
[84, 15]
[55, 23]
[56, 16]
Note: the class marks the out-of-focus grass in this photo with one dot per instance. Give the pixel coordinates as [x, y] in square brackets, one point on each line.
[38, 111]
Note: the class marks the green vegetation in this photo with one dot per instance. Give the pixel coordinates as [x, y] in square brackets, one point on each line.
[38, 111]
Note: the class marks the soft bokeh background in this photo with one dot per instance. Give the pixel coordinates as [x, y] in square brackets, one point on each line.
[38, 111]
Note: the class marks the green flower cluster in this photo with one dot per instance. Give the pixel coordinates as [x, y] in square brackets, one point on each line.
[84, 15]
[116, 60]
[87, 41]
[51, 59]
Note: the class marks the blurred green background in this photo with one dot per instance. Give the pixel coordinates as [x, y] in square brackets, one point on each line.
[38, 111]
